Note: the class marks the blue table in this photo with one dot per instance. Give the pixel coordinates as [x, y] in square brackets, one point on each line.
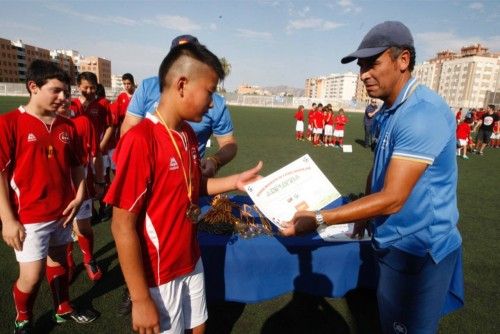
[261, 268]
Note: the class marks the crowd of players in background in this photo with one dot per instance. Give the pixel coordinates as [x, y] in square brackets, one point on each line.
[476, 130]
[324, 126]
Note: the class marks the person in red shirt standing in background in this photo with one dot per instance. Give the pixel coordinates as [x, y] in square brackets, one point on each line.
[310, 117]
[318, 124]
[299, 125]
[458, 115]
[119, 110]
[328, 126]
[340, 121]
[42, 187]
[90, 152]
[463, 136]
[88, 105]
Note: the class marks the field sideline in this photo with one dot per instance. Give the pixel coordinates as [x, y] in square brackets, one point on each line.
[268, 135]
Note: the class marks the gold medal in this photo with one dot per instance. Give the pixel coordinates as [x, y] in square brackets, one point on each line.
[193, 213]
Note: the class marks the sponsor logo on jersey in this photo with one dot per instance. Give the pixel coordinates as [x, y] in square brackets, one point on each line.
[64, 137]
[173, 164]
[31, 137]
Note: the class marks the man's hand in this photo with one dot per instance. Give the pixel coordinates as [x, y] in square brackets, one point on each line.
[303, 222]
[209, 167]
[71, 211]
[13, 234]
[145, 317]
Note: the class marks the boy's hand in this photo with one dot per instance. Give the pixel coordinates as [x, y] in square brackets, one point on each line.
[71, 211]
[13, 234]
[145, 317]
[249, 176]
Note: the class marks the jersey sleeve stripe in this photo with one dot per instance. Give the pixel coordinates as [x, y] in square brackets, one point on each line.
[137, 200]
[410, 157]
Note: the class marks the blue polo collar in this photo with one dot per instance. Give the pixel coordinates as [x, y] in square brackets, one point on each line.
[405, 93]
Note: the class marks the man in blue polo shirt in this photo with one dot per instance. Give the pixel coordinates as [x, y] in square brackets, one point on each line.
[411, 189]
[216, 121]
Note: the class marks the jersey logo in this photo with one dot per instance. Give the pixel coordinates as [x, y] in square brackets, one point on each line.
[93, 111]
[31, 137]
[64, 137]
[173, 164]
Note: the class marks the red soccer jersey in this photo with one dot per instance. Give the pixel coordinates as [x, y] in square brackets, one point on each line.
[463, 130]
[299, 115]
[87, 136]
[318, 120]
[340, 122]
[329, 119]
[97, 113]
[150, 182]
[310, 116]
[118, 111]
[38, 158]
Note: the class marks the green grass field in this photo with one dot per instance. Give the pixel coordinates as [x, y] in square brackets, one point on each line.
[268, 135]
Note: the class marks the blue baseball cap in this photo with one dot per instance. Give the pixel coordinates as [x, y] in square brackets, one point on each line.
[380, 38]
[183, 39]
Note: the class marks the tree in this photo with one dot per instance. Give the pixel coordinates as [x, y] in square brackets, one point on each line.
[226, 66]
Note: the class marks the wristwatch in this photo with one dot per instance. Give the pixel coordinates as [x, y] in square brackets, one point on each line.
[320, 220]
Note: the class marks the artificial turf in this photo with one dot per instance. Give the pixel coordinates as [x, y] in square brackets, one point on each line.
[268, 135]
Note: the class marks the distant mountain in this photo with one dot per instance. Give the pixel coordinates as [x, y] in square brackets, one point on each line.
[282, 90]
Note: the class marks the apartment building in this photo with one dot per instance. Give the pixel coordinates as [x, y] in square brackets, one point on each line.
[15, 57]
[466, 79]
[340, 87]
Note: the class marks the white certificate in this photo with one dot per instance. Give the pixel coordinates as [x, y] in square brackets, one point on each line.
[299, 185]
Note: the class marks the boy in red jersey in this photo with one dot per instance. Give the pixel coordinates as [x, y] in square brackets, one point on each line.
[318, 124]
[338, 133]
[51, 192]
[463, 136]
[310, 121]
[119, 110]
[299, 126]
[155, 192]
[87, 104]
[328, 126]
[81, 224]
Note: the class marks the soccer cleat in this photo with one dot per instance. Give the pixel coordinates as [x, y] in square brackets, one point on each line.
[22, 327]
[93, 270]
[80, 317]
[465, 157]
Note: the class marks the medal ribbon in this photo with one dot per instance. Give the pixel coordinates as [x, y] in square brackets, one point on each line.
[186, 179]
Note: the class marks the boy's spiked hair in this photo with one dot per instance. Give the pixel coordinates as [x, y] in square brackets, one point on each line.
[192, 50]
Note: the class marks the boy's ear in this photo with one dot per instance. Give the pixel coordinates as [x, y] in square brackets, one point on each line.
[181, 85]
[32, 87]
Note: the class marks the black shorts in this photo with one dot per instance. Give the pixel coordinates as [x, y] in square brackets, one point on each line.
[484, 135]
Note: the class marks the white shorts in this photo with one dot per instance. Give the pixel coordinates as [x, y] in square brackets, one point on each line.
[299, 127]
[328, 130]
[318, 131]
[463, 142]
[182, 303]
[85, 211]
[495, 136]
[41, 236]
[338, 133]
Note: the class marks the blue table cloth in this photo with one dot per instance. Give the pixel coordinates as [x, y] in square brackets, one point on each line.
[261, 268]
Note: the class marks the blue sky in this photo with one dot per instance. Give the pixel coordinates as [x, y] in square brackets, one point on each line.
[268, 43]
